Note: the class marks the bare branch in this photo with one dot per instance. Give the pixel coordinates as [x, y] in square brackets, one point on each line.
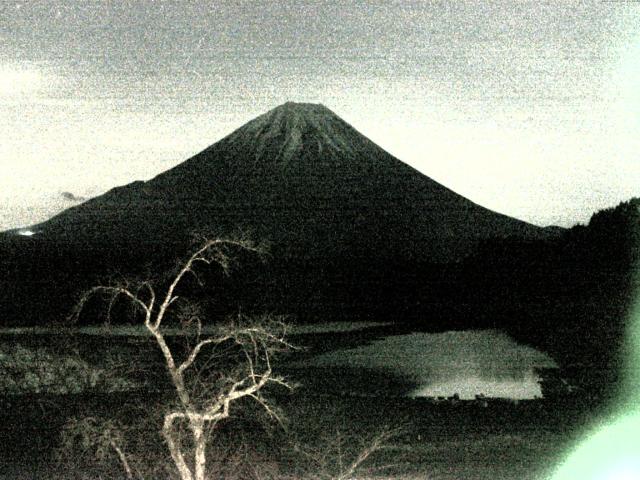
[268, 408]
[113, 292]
[378, 443]
[200, 255]
[196, 350]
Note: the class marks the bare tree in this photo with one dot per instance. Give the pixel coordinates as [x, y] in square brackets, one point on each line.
[105, 437]
[202, 404]
[341, 458]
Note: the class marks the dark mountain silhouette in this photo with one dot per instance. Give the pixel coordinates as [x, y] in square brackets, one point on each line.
[304, 180]
[349, 224]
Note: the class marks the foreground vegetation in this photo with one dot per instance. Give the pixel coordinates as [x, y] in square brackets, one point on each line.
[319, 436]
[319, 433]
[210, 403]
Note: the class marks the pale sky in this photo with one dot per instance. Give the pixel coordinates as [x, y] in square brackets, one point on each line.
[530, 108]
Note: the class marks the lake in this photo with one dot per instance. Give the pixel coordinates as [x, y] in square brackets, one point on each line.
[467, 363]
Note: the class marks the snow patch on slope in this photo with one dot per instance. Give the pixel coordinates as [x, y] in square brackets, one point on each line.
[288, 125]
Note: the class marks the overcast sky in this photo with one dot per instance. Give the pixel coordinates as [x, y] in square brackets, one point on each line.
[529, 108]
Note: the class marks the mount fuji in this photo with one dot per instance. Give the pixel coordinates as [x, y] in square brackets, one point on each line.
[302, 179]
[346, 220]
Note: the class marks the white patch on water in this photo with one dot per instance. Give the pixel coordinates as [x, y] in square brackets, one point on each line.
[443, 364]
[469, 387]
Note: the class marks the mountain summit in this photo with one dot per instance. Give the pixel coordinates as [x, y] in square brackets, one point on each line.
[293, 125]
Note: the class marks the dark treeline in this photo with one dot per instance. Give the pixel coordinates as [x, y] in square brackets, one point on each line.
[569, 295]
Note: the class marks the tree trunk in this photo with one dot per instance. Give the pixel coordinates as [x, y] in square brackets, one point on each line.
[174, 449]
[200, 442]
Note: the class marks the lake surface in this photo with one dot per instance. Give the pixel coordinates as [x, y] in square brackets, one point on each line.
[466, 363]
[365, 357]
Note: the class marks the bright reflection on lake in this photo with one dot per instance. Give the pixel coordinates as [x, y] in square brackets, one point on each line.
[443, 364]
